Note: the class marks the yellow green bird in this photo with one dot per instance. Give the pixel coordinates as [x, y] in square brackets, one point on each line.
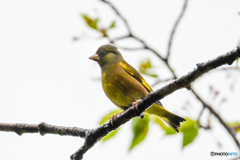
[124, 85]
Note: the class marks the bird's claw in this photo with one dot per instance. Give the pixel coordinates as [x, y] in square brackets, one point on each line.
[135, 104]
[112, 117]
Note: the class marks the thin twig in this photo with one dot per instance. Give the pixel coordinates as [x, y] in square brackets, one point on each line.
[130, 49]
[175, 28]
[119, 38]
[130, 32]
[219, 119]
[119, 15]
[200, 114]
[198, 120]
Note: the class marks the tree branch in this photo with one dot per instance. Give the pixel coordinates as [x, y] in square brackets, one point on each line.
[174, 28]
[92, 136]
[145, 46]
[232, 134]
[43, 128]
[119, 15]
[198, 120]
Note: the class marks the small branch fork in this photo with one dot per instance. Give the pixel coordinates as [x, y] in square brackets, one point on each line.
[92, 136]
[130, 34]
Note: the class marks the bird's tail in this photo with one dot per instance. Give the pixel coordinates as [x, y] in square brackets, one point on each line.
[171, 119]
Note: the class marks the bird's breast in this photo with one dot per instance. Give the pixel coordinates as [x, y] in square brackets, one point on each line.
[121, 88]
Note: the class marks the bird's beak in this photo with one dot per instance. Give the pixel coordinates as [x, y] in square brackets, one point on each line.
[94, 57]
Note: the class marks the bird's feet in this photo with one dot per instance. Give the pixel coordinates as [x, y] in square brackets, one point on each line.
[135, 104]
[112, 117]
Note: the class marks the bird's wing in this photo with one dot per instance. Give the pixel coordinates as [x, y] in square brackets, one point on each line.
[134, 73]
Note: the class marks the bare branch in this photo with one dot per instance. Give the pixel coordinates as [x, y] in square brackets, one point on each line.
[119, 38]
[43, 128]
[130, 32]
[175, 27]
[219, 118]
[119, 15]
[198, 120]
[19, 128]
[130, 49]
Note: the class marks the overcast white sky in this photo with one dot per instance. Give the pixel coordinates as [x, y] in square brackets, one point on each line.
[46, 77]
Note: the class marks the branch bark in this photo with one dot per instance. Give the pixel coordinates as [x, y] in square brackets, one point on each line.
[43, 128]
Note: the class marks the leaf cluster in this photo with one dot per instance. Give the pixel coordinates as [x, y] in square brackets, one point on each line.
[94, 24]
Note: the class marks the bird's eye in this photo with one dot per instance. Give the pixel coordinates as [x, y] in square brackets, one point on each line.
[102, 53]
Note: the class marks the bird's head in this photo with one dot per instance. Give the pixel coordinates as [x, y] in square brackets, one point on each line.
[106, 55]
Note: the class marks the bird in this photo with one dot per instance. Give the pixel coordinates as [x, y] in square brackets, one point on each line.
[125, 86]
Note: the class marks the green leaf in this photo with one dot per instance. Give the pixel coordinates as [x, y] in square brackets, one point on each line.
[144, 68]
[110, 135]
[160, 122]
[140, 130]
[151, 75]
[106, 118]
[189, 130]
[145, 65]
[168, 130]
[113, 24]
[91, 22]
